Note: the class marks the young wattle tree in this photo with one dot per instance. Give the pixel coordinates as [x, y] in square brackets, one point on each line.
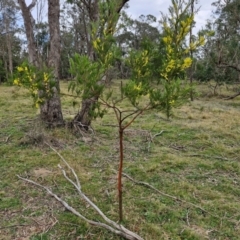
[144, 92]
[101, 18]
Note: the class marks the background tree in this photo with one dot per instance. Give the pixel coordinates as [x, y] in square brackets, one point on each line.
[51, 112]
[42, 38]
[132, 35]
[142, 91]
[219, 58]
[9, 42]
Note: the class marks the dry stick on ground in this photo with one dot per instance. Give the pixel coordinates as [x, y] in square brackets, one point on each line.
[112, 226]
[152, 137]
[168, 195]
[209, 156]
[15, 225]
[8, 137]
[232, 97]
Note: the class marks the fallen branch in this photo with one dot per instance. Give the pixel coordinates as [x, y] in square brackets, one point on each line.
[110, 225]
[16, 225]
[8, 137]
[109, 125]
[168, 195]
[157, 134]
[232, 97]
[152, 138]
[209, 156]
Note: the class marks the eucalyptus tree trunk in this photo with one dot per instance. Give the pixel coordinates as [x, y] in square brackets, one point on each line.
[83, 118]
[51, 112]
[29, 24]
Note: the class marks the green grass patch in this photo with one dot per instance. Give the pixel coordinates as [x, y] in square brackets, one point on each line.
[194, 158]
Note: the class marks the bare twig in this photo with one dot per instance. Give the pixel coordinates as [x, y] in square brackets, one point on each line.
[16, 225]
[187, 217]
[209, 156]
[7, 138]
[168, 195]
[112, 226]
[232, 97]
[225, 65]
[157, 134]
[152, 137]
[65, 204]
[138, 112]
[109, 125]
[62, 158]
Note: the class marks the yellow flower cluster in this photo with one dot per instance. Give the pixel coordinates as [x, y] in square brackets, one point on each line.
[22, 69]
[138, 87]
[28, 79]
[175, 55]
[17, 82]
[186, 63]
[139, 64]
[167, 40]
[170, 66]
[97, 44]
[145, 58]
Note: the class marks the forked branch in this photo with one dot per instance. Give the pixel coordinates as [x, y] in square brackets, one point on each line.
[110, 225]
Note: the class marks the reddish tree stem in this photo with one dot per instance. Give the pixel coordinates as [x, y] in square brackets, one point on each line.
[120, 173]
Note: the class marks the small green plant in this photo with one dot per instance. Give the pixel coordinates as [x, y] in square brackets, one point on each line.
[142, 91]
[173, 53]
[39, 83]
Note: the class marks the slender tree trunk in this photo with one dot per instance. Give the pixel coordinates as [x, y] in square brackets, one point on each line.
[191, 52]
[120, 169]
[51, 111]
[9, 46]
[6, 68]
[10, 66]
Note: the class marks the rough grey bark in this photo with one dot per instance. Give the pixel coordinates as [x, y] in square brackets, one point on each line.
[51, 111]
[28, 24]
[9, 47]
[8, 43]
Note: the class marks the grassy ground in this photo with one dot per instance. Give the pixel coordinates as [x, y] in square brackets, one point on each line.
[196, 159]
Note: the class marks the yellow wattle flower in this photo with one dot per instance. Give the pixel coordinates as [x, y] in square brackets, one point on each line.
[187, 63]
[16, 81]
[138, 87]
[45, 77]
[20, 69]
